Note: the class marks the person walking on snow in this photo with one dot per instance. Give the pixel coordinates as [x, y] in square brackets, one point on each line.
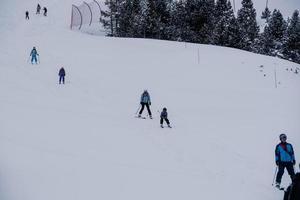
[27, 15]
[45, 11]
[145, 101]
[61, 75]
[34, 55]
[284, 158]
[164, 116]
[38, 9]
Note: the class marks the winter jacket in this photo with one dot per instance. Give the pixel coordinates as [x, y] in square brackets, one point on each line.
[293, 191]
[33, 53]
[284, 153]
[145, 98]
[164, 115]
[62, 72]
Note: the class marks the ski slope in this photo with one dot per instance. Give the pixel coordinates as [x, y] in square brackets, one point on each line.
[81, 141]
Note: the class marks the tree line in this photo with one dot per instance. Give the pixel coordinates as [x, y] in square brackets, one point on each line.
[206, 22]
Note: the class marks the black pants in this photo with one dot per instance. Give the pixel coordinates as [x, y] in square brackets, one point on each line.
[143, 106]
[62, 79]
[162, 120]
[290, 168]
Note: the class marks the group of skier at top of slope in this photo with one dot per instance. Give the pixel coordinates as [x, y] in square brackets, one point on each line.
[38, 10]
[144, 101]
[285, 158]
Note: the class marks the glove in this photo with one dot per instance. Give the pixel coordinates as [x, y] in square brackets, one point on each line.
[277, 163]
[149, 103]
[294, 162]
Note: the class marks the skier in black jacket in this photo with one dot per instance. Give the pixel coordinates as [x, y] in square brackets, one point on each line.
[27, 15]
[38, 9]
[164, 116]
[45, 11]
[293, 191]
[61, 75]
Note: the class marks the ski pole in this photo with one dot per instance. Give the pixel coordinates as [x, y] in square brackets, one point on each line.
[274, 175]
[138, 109]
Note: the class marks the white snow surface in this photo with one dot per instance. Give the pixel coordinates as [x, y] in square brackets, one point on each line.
[81, 141]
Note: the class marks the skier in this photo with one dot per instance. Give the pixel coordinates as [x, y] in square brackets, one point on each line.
[38, 9]
[293, 191]
[33, 55]
[27, 15]
[62, 74]
[45, 11]
[285, 158]
[164, 116]
[145, 101]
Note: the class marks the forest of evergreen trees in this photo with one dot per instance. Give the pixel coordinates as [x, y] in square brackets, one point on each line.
[206, 22]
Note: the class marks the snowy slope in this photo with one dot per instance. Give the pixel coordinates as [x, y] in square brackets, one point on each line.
[81, 140]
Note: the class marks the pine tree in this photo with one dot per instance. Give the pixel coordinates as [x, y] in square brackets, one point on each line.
[125, 19]
[291, 46]
[110, 18]
[136, 29]
[200, 20]
[273, 35]
[226, 31]
[248, 25]
[266, 14]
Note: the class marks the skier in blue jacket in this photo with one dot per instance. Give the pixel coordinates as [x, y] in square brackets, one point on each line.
[284, 158]
[34, 55]
[145, 101]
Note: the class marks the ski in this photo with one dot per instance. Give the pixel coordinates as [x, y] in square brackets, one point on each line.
[140, 117]
[164, 127]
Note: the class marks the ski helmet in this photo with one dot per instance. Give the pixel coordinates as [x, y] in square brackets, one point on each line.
[165, 109]
[282, 136]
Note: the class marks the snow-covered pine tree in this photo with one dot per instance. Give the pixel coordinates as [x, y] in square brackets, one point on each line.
[125, 19]
[110, 18]
[246, 19]
[151, 21]
[178, 21]
[136, 28]
[291, 45]
[266, 14]
[226, 31]
[274, 34]
[200, 20]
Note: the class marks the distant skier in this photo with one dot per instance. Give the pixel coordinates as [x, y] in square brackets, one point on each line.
[34, 55]
[145, 101]
[38, 9]
[293, 191]
[27, 15]
[45, 11]
[285, 158]
[164, 116]
[62, 74]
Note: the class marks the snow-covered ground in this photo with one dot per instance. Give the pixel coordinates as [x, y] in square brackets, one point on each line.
[81, 141]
